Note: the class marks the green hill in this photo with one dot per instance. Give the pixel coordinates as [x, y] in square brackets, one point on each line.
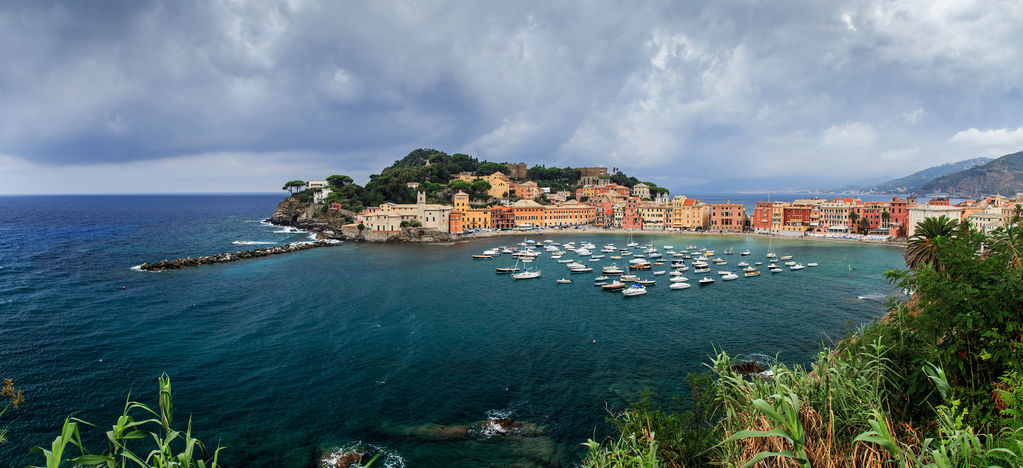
[914, 181]
[1003, 175]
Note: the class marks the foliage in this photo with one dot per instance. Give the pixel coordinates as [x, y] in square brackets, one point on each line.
[486, 168]
[14, 399]
[166, 447]
[972, 307]
[621, 179]
[480, 186]
[459, 185]
[294, 186]
[863, 225]
[921, 247]
[655, 190]
[338, 181]
[305, 196]
[411, 223]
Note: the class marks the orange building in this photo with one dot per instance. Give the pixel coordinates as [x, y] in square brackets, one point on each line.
[727, 216]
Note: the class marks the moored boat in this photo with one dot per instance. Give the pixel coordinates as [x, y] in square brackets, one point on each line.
[706, 280]
[634, 290]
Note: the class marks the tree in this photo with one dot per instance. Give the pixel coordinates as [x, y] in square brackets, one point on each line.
[294, 186]
[853, 216]
[339, 180]
[480, 186]
[864, 226]
[886, 217]
[488, 168]
[460, 185]
[920, 249]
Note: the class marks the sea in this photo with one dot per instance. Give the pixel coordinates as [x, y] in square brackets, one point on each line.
[407, 350]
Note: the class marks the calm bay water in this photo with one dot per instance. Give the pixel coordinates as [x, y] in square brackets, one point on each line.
[284, 358]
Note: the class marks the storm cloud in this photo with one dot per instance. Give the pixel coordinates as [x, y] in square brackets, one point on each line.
[686, 94]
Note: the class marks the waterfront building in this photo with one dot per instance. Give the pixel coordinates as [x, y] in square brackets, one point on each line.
[388, 216]
[470, 218]
[762, 220]
[630, 214]
[571, 213]
[689, 213]
[796, 218]
[836, 215]
[727, 216]
[641, 190]
[502, 217]
[918, 213]
[655, 216]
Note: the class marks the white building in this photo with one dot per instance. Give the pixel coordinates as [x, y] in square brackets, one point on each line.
[641, 190]
[918, 213]
[321, 194]
[316, 184]
[388, 217]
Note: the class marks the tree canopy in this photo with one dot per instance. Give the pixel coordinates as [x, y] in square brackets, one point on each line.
[294, 186]
[487, 168]
[339, 180]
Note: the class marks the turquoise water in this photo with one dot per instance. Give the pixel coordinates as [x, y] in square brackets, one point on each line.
[285, 358]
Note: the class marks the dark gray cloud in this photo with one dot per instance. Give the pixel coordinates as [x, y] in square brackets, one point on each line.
[683, 91]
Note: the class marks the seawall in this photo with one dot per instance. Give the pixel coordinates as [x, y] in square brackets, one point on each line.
[187, 262]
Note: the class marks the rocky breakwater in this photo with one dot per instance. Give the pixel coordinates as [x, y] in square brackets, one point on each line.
[186, 262]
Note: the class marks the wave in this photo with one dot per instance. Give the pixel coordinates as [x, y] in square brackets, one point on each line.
[344, 456]
[290, 230]
[872, 297]
[252, 243]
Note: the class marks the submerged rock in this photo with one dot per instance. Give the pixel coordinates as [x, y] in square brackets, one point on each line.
[487, 428]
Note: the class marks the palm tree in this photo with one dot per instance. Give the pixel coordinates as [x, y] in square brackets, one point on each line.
[853, 216]
[920, 248]
[885, 218]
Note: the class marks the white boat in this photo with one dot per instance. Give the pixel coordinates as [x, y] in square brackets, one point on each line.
[730, 276]
[583, 252]
[798, 266]
[679, 286]
[575, 265]
[601, 278]
[612, 269]
[744, 252]
[729, 251]
[706, 280]
[758, 263]
[678, 279]
[647, 282]
[811, 264]
[634, 290]
[627, 278]
[564, 281]
[505, 271]
[613, 286]
[786, 257]
[615, 257]
[749, 268]
[750, 274]
[481, 257]
[676, 273]
[742, 264]
[701, 270]
[567, 260]
[492, 252]
[597, 257]
[775, 269]
[527, 274]
[790, 263]
[580, 270]
[724, 273]
[527, 259]
[659, 272]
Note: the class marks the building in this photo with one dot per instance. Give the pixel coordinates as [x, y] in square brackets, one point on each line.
[320, 195]
[689, 213]
[656, 217]
[727, 216]
[526, 191]
[987, 220]
[470, 218]
[837, 215]
[500, 185]
[593, 172]
[594, 180]
[918, 213]
[641, 190]
[518, 170]
[316, 184]
[389, 216]
[594, 191]
[502, 218]
[630, 214]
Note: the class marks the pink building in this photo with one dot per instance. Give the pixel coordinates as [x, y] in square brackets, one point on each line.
[727, 216]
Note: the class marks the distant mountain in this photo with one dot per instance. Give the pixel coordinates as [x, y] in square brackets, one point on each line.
[1003, 175]
[913, 182]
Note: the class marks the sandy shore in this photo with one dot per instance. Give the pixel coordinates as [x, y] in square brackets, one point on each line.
[625, 232]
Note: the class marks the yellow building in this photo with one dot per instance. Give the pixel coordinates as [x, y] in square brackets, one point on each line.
[500, 186]
[472, 218]
[656, 216]
[689, 213]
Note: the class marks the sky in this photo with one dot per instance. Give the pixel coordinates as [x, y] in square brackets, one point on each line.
[241, 96]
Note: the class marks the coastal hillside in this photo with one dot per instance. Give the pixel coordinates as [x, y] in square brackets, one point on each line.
[913, 182]
[1003, 175]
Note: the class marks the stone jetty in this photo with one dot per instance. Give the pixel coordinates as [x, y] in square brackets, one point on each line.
[186, 262]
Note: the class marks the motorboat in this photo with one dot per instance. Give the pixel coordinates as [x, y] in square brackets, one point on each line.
[678, 279]
[615, 257]
[564, 281]
[798, 266]
[492, 252]
[751, 273]
[775, 269]
[790, 263]
[786, 257]
[676, 273]
[659, 272]
[679, 286]
[481, 257]
[614, 286]
[724, 273]
[629, 278]
[742, 264]
[811, 264]
[566, 260]
[527, 274]
[744, 252]
[749, 268]
[575, 265]
[706, 280]
[758, 263]
[634, 290]
[602, 278]
[701, 270]
[580, 270]
[601, 283]
[505, 271]
[729, 251]
[730, 276]
[647, 282]
[612, 269]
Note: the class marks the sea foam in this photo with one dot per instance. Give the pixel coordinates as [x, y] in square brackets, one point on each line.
[239, 242]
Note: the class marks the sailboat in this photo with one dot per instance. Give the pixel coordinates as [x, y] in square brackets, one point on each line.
[631, 243]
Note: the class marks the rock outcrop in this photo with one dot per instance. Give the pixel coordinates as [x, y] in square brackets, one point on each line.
[186, 262]
[332, 225]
